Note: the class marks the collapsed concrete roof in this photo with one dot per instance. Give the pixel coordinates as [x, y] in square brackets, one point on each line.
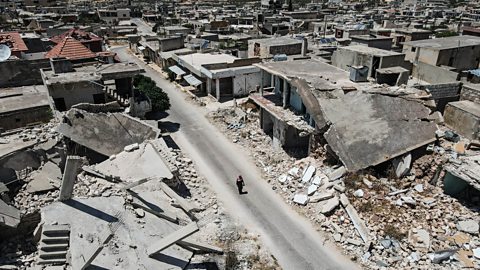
[92, 220]
[144, 162]
[106, 134]
[467, 169]
[367, 129]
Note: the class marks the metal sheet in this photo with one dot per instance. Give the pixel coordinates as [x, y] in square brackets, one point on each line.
[192, 80]
[177, 70]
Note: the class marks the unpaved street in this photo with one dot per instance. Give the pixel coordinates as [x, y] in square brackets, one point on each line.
[290, 237]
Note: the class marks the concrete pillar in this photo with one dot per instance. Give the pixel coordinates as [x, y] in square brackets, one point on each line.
[285, 93]
[217, 88]
[272, 81]
[262, 73]
[209, 86]
[69, 177]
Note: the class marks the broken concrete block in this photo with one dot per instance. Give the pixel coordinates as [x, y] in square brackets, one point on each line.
[354, 242]
[321, 197]
[312, 189]
[386, 243]
[319, 179]
[358, 193]
[131, 147]
[402, 164]
[367, 183]
[418, 188]
[413, 257]
[330, 205]
[358, 223]
[337, 173]
[419, 238]
[439, 133]
[301, 199]
[337, 237]
[282, 179]
[468, 226]
[172, 238]
[443, 255]
[408, 200]
[139, 213]
[476, 253]
[308, 174]
[437, 117]
[339, 188]
[344, 200]
[293, 171]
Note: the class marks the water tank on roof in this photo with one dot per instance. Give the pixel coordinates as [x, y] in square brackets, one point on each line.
[358, 73]
[280, 57]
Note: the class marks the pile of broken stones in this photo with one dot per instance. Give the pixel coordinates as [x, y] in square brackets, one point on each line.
[218, 228]
[378, 220]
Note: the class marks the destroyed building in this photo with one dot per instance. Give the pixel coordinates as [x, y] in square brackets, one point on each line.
[356, 125]
[70, 85]
[21, 106]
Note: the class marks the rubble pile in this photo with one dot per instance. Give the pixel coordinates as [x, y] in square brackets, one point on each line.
[378, 219]
[38, 190]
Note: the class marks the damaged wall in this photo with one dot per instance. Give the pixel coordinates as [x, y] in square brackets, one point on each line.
[22, 72]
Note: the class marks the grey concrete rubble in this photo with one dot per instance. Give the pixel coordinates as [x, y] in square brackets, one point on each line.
[130, 192]
[381, 213]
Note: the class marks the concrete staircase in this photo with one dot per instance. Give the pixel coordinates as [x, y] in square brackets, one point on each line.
[54, 243]
[113, 94]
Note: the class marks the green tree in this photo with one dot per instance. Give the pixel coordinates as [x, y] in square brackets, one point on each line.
[446, 34]
[160, 99]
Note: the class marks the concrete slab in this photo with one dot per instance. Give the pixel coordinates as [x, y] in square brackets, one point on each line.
[105, 133]
[9, 215]
[368, 129]
[90, 218]
[136, 165]
[172, 238]
[358, 223]
[48, 177]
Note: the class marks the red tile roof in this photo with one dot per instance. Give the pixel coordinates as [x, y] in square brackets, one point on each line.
[14, 41]
[77, 34]
[70, 49]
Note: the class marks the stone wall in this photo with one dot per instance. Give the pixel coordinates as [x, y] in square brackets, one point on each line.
[470, 92]
[22, 72]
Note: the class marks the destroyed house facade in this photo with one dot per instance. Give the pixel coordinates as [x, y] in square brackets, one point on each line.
[309, 100]
[96, 84]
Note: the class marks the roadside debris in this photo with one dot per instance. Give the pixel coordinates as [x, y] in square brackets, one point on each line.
[400, 215]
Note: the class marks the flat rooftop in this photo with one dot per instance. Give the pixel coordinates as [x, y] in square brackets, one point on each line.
[446, 43]
[467, 106]
[196, 60]
[93, 73]
[276, 41]
[369, 50]
[21, 98]
[318, 74]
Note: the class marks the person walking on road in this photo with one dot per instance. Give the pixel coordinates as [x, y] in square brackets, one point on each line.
[240, 184]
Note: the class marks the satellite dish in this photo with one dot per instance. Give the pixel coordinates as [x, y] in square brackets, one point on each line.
[5, 52]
